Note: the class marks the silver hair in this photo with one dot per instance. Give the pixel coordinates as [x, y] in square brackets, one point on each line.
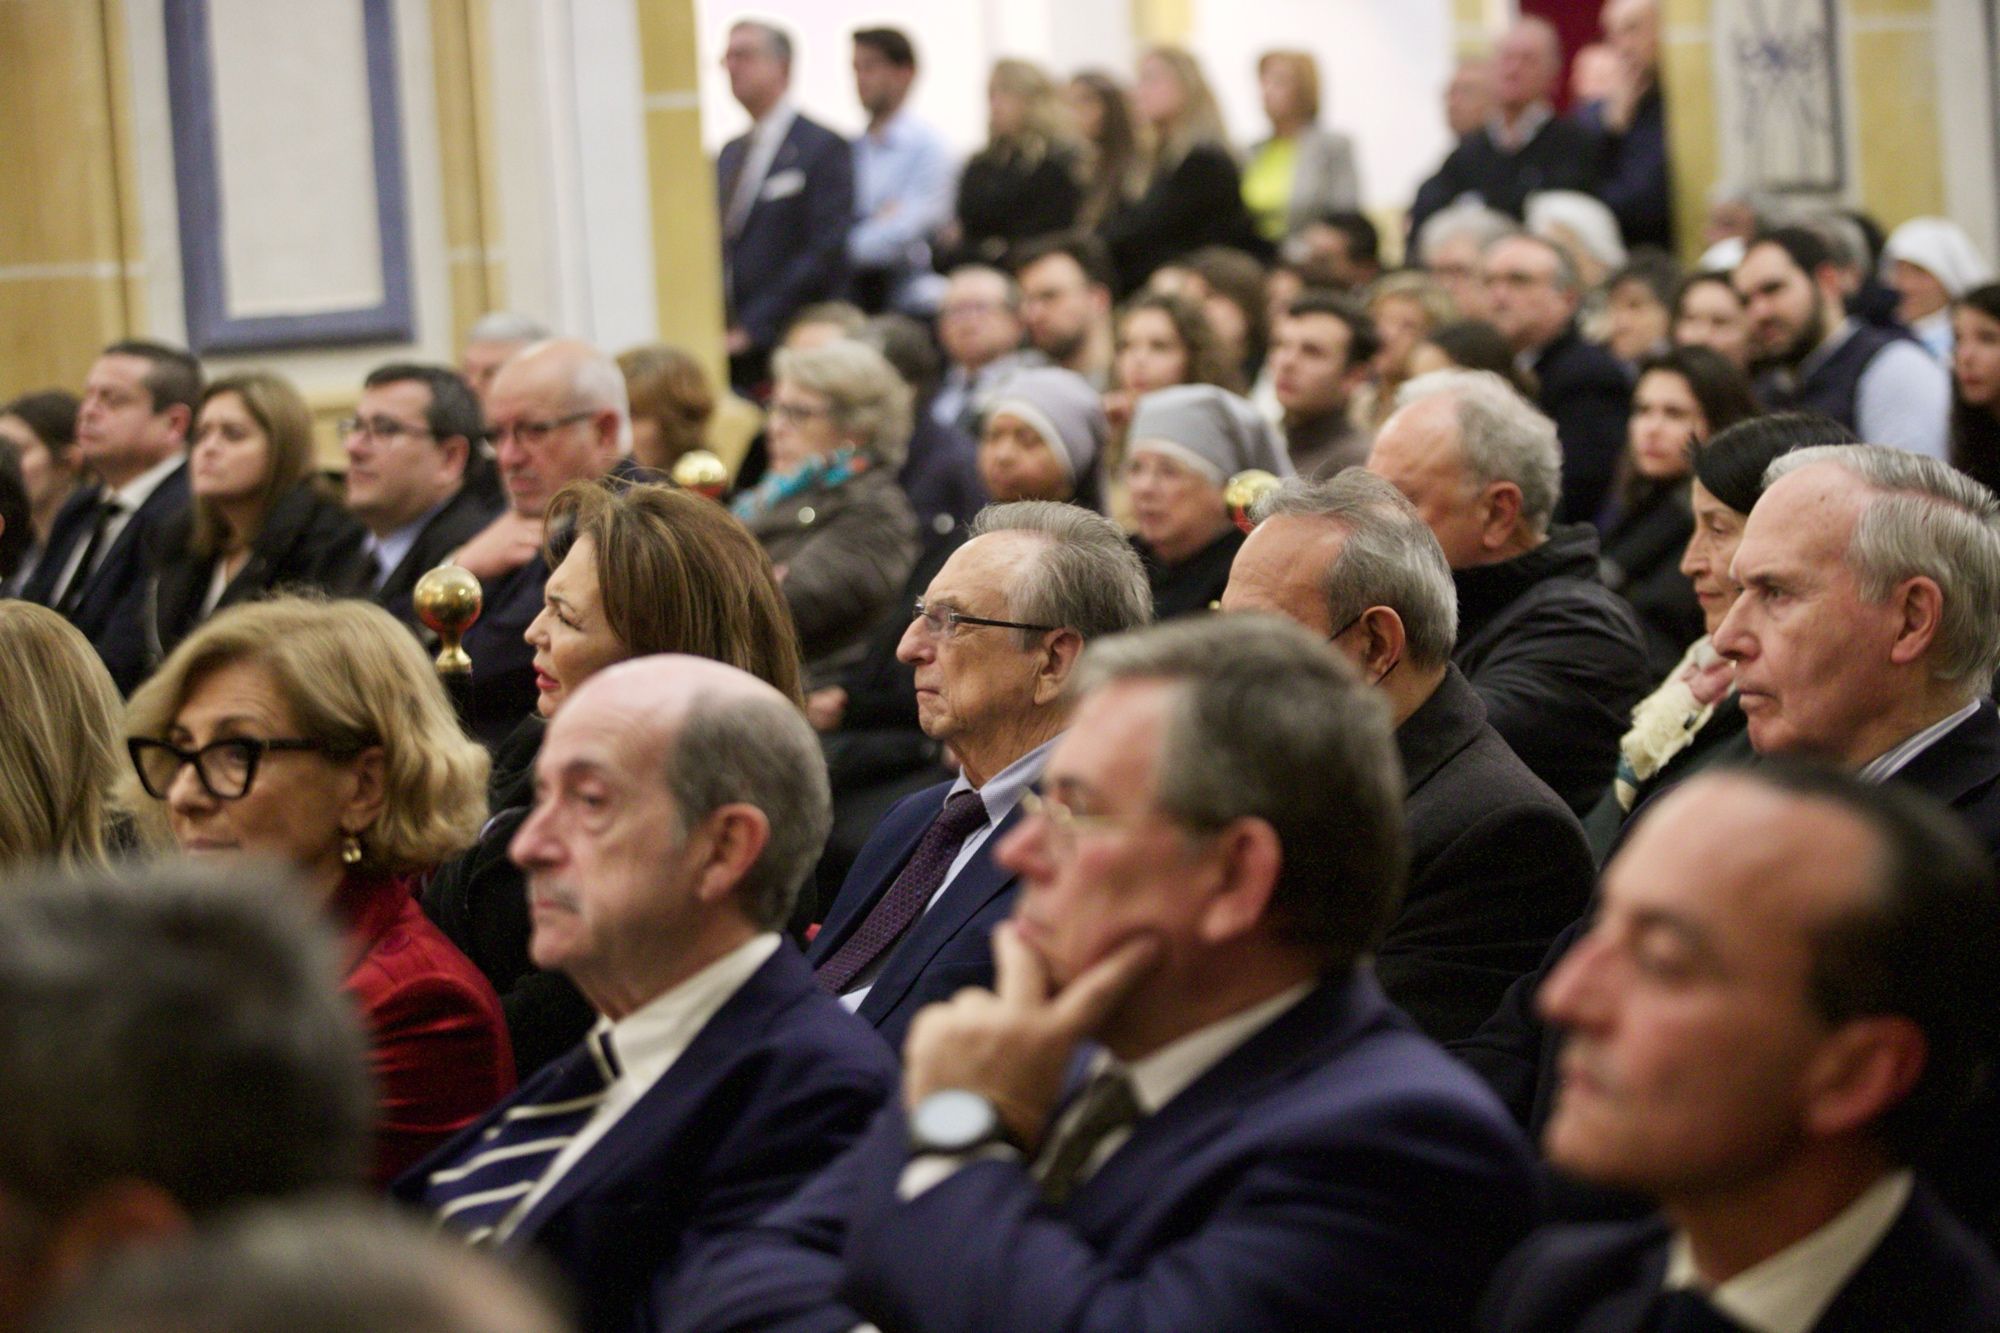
[176, 1025]
[1087, 577]
[756, 751]
[1270, 724]
[1390, 558]
[504, 326]
[1926, 519]
[1482, 224]
[1500, 436]
[868, 397]
[596, 384]
[1843, 236]
[1008, 284]
[1568, 279]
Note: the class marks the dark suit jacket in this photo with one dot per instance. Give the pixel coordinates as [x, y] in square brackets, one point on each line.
[463, 517]
[112, 610]
[792, 249]
[773, 1088]
[1561, 156]
[1498, 866]
[1517, 1054]
[1641, 562]
[1335, 1171]
[1928, 1273]
[308, 543]
[1589, 396]
[503, 689]
[1557, 657]
[949, 947]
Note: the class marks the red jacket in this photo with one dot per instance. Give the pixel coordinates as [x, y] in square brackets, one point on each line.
[438, 1040]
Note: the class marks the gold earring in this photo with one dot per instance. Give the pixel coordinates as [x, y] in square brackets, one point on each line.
[350, 850]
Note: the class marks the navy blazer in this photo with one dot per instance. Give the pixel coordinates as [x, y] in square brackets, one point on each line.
[462, 518]
[111, 612]
[1928, 1274]
[792, 249]
[1517, 1054]
[1588, 394]
[775, 1086]
[1335, 1171]
[950, 946]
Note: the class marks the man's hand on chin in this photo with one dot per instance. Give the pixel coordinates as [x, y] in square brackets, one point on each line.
[1012, 1044]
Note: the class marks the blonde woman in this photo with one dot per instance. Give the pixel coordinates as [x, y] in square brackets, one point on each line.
[316, 735]
[1025, 181]
[260, 520]
[1193, 193]
[1114, 145]
[1302, 172]
[58, 743]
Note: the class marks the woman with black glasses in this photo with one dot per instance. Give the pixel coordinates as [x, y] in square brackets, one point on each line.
[316, 735]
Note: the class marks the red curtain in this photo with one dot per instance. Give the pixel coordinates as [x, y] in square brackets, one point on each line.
[1576, 23]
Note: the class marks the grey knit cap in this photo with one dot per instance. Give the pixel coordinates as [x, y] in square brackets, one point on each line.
[1209, 429]
[1061, 407]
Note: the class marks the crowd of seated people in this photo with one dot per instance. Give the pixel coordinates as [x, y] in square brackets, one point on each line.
[1524, 862]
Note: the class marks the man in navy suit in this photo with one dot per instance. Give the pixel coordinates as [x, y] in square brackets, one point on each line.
[1001, 628]
[679, 805]
[786, 192]
[1254, 1138]
[558, 413]
[1787, 991]
[138, 407]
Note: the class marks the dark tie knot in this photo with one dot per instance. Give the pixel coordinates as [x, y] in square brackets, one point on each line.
[962, 814]
[1689, 1310]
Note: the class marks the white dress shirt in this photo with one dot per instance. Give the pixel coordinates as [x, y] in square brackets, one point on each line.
[647, 1042]
[766, 137]
[1789, 1291]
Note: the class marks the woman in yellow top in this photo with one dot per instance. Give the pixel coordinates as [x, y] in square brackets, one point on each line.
[1302, 171]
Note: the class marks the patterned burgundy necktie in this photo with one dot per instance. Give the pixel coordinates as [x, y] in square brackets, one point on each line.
[907, 897]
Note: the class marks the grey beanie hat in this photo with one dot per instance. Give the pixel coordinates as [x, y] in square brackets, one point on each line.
[1211, 430]
[1061, 407]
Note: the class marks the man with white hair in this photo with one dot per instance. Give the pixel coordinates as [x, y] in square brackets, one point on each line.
[1523, 147]
[1533, 290]
[491, 343]
[1557, 657]
[1449, 246]
[557, 413]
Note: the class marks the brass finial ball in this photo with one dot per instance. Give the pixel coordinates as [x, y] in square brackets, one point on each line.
[1246, 489]
[702, 472]
[449, 600]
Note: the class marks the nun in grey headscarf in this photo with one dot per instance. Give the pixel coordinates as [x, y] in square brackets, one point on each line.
[1931, 262]
[1185, 444]
[1043, 434]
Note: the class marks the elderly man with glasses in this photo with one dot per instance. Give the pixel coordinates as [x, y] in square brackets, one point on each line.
[993, 642]
[557, 414]
[411, 446]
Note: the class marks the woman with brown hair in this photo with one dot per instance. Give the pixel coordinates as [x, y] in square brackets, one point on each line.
[635, 570]
[671, 404]
[259, 520]
[1025, 181]
[40, 430]
[315, 734]
[1193, 193]
[1115, 159]
[59, 742]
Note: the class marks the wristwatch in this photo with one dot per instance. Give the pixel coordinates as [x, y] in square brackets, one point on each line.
[954, 1122]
